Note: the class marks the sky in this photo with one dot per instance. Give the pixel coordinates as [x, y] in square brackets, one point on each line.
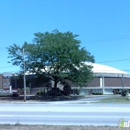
[103, 27]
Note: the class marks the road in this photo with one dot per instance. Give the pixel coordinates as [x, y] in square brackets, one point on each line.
[63, 113]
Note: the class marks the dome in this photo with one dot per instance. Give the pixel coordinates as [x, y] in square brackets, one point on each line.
[99, 68]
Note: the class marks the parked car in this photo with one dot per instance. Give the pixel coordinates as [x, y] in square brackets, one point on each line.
[3, 91]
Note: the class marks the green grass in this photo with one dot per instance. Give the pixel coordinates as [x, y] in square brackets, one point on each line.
[115, 99]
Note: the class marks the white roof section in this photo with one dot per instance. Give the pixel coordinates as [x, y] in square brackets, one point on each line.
[99, 68]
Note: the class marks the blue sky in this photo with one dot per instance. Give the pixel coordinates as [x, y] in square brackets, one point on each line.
[103, 26]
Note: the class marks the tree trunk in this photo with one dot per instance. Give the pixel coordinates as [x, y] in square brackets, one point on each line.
[55, 84]
[55, 87]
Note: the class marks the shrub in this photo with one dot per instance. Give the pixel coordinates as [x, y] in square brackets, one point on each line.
[97, 93]
[75, 91]
[40, 92]
[124, 92]
[27, 90]
[55, 92]
[15, 95]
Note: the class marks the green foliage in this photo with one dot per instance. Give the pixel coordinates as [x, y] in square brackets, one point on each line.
[97, 93]
[27, 90]
[40, 92]
[76, 91]
[55, 92]
[124, 92]
[55, 55]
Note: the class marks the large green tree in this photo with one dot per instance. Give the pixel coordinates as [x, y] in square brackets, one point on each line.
[57, 55]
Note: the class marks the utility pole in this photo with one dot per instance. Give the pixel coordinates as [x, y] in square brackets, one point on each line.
[122, 81]
[24, 77]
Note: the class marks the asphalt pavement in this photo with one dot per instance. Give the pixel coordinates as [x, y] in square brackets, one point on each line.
[50, 113]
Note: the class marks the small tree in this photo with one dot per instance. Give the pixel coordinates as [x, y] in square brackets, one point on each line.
[56, 55]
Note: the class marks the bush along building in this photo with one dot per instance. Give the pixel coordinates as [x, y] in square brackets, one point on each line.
[106, 81]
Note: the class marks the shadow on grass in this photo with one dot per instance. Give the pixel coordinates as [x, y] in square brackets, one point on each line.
[41, 98]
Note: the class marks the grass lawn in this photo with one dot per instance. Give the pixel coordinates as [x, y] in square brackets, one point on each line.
[115, 99]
